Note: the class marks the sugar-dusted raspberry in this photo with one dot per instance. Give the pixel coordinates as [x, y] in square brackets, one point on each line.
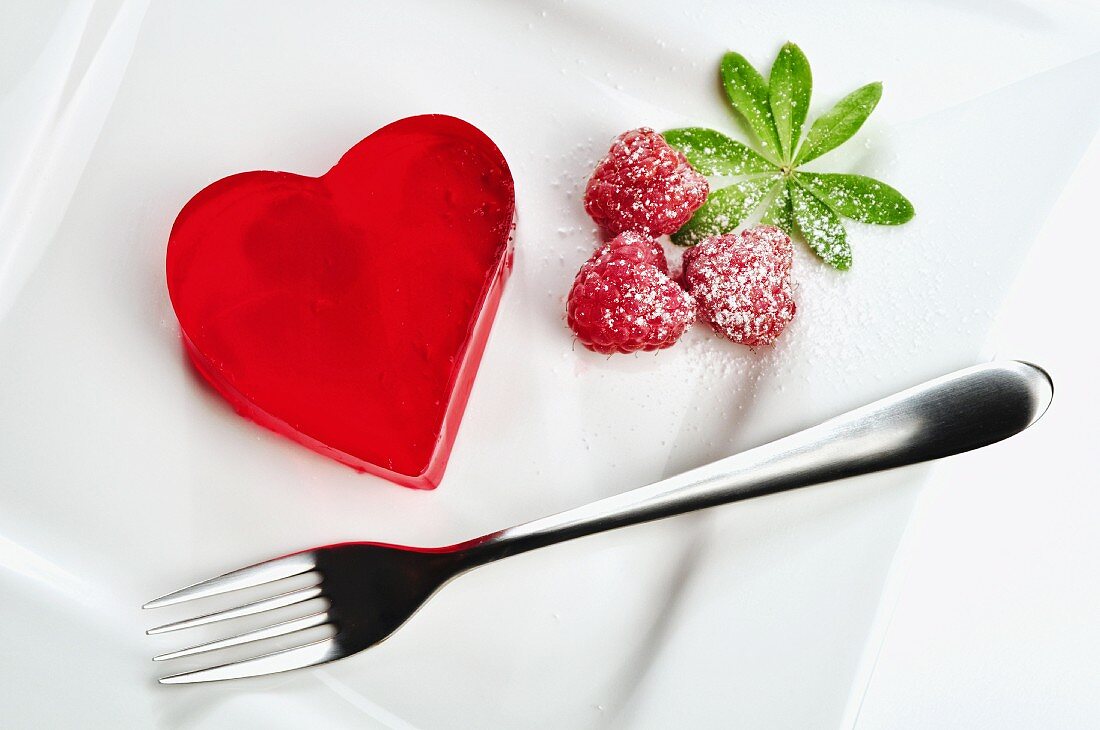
[637, 248]
[644, 185]
[741, 284]
[624, 301]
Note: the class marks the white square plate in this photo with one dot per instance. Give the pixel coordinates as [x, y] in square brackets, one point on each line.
[122, 476]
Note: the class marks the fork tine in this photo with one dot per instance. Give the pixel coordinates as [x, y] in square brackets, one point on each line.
[253, 575]
[269, 632]
[267, 604]
[308, 655]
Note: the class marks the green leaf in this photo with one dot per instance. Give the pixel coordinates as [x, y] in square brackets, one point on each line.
[748, 93]
[789, 96]
[713, 153]
[779, 213]
[842, 121]
[821, 227]
[860, 198]
[724, 210]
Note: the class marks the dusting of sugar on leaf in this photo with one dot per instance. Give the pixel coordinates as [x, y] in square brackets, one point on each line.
[724, 210]
[713, 153]
[837, 125]
[779, 213]
[821, 227]
[789, 88]
[748, 93]
[860, 198]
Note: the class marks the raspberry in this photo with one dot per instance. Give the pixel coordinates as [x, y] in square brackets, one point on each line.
[644, 185]
[637, 249]
[623, 299]
[741, 284]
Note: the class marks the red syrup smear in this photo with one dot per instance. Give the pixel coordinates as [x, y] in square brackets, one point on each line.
[350, 311]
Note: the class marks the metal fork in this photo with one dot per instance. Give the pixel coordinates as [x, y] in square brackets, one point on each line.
[372, 589]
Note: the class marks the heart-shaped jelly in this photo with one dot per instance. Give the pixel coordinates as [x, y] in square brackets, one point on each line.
[349, 311]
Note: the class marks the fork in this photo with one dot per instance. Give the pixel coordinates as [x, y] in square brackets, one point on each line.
[372, 588]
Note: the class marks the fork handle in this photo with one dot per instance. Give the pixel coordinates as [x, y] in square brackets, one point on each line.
[958, 412]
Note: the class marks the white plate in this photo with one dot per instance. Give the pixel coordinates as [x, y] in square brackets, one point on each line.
[122, 477]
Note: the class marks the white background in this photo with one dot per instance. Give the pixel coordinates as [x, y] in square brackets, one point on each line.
[997, 620]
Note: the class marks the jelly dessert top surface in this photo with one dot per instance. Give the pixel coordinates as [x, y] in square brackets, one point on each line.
[343, 306]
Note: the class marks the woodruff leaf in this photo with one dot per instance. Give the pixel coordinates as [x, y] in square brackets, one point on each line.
[821, 227]
[836, 126]
[810, 204]
[713, 153]
[779, 213]
[748, 93]
[789, 89]
[724, 210]
[860, 198]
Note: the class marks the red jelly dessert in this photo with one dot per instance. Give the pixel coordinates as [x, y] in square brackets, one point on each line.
[350, 311]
